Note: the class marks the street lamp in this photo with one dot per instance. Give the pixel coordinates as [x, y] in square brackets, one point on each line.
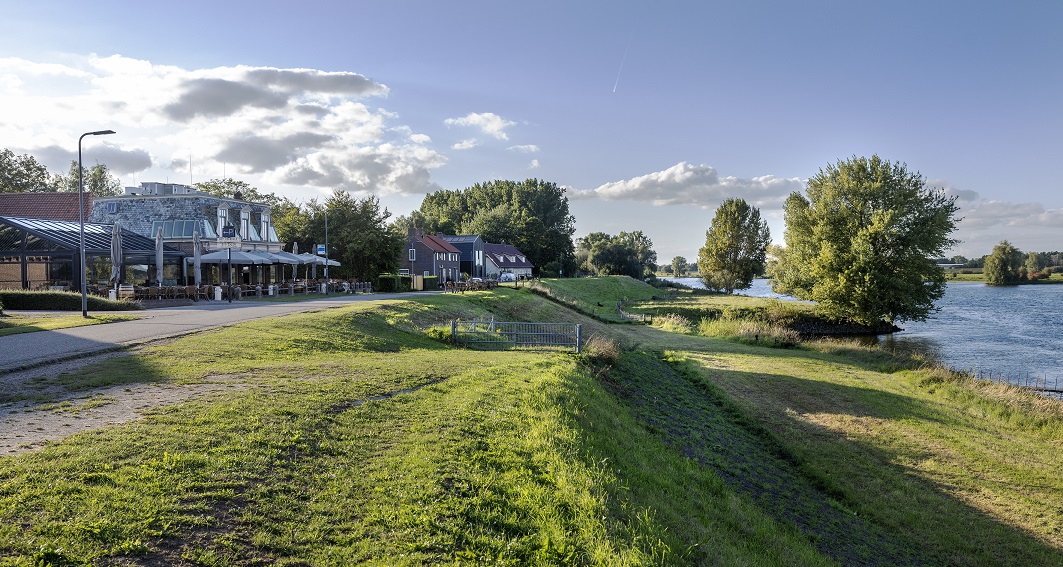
[326, 251]
[81, 216]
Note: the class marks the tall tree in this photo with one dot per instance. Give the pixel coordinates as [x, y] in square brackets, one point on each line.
[358, 234]
[1033, 264]
[96, 179]
[532, 215]
[628, 253]
[23, 174]
[234, 188]
[862, 242]
[735, 247]
[1002, 266]
[679, 266]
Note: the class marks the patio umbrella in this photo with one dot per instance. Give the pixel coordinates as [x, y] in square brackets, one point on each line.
[158, 256]
[197, 258]
[116, 254]
[295, 252]
[240, 258]
[312, 260]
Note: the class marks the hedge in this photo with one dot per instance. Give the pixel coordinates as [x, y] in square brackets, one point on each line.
[59, 301]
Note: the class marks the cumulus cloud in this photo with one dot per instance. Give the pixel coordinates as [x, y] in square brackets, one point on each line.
[288, 126]
[385, 169]
[465, 144]
[698, 185]
[527, 149]
[534, 164]
[488, 122]
[119, 161]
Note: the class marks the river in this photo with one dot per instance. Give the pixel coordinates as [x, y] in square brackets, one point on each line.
[1012, 331]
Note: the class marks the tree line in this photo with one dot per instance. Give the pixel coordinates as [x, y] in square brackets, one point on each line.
[861, 242]
[24, 174]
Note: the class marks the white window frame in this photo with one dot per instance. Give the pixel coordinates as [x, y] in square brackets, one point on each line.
[413, 254]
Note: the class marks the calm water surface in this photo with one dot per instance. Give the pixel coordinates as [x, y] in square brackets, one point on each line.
[1010, 331]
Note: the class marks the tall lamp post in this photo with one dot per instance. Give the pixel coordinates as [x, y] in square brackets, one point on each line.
[81, 216]
[326, 251]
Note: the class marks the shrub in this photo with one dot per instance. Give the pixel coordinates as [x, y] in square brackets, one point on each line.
[389, 283]
[60, 301]
[673, 322]
[431, 282]
[601, 350]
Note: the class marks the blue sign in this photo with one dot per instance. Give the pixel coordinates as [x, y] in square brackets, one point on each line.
[321, 249]
[228, 232]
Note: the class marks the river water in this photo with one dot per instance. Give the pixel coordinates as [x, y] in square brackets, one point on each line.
[1014, 331]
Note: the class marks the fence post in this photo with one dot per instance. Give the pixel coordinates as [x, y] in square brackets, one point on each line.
[579, 338]
[453, 331]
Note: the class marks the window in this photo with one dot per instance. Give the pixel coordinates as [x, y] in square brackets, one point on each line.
[404, 272]
[112, 207]
[413, 254]
[223, 217]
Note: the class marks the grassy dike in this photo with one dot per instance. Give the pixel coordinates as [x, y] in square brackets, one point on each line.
[349, 437]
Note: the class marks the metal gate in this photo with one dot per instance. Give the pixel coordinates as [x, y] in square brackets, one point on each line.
[502, 335]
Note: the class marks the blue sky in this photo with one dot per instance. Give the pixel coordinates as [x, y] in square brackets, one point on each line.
[649, 113]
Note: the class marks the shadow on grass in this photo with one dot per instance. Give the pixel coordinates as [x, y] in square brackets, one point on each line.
[852, 523]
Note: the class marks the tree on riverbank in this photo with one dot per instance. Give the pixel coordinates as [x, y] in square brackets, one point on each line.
[863, 240]
[1003, 265]
[735, 247]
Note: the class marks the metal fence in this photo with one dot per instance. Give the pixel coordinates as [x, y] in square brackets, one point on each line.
[503, 335]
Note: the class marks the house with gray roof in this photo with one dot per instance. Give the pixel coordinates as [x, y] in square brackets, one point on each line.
[471, 247]
[506, 259]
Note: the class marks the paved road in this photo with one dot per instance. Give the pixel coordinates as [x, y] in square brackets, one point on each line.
[43, 347]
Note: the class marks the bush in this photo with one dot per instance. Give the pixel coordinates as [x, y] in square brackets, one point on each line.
[431, 282]
[390, 283]
[60, 301]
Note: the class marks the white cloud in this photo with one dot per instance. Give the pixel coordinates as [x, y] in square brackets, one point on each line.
[534, 164]
[698, 185]
[488, 123]
[465, 144]
[528, 148]
[290, 126]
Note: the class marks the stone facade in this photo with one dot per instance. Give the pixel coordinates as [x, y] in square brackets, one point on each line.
[199, 211]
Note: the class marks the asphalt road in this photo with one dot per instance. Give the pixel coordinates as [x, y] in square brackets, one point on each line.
[28, 350]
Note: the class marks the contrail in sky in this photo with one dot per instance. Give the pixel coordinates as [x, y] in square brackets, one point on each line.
[621, 65]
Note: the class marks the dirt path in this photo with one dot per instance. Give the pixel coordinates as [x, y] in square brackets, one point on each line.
[35, 410]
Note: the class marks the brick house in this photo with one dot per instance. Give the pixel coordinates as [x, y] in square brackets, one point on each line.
[430, 255]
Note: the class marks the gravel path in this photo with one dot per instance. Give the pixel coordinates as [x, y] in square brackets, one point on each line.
[35, 410]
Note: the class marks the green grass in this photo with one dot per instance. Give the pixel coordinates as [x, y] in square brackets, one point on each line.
[350, 437]
[597, 297]
[15, 324]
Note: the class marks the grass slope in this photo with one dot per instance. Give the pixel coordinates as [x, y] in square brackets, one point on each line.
[597, 297]
[348, 437]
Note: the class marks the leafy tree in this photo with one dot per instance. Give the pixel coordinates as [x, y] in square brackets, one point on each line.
[735, 247]
[96, 180]
[1033, 263]
[679, 266]
[359, 235]
[1002, 266]
[233, 189]
[861, 243]
[628, 253]
[532, 215]
[23, 174]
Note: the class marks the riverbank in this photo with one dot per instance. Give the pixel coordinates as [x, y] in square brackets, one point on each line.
[348, 436]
